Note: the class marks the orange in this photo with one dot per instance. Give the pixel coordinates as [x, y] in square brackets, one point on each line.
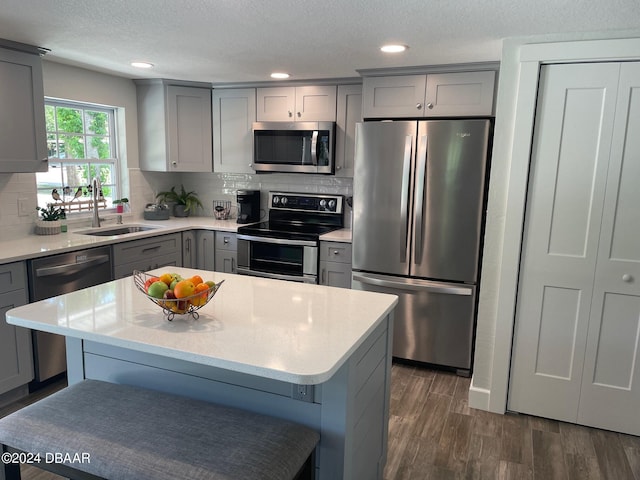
[203, 290]
[166, 278]
[196, 279]
[184, 288]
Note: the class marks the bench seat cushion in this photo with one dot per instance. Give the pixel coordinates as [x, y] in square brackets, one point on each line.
[135, 433]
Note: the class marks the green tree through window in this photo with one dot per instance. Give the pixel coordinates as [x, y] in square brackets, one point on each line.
[81, 145]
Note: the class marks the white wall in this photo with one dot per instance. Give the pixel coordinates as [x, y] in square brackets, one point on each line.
[510, 164]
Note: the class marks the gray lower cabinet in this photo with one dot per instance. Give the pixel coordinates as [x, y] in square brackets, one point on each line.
[335, 264]
[205, 240]
[189, 249]
[147, 254]
[16, 360]
[226, 252]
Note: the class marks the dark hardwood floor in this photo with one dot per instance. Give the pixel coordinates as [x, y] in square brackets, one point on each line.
[434, 435]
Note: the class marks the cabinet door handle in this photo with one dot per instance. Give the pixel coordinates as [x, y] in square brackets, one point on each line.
[151, 249]
[322, 281]
[419, 106]
[290, 114]
[336, 252]
[430, 106]
[299, 114]
[174, 163]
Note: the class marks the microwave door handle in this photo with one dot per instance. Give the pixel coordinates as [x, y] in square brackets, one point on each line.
[314, 146]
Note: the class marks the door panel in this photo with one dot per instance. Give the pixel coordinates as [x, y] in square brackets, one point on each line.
[558, 321]
[449, 193]
[381, 196]
[611, 382]
[570, 156]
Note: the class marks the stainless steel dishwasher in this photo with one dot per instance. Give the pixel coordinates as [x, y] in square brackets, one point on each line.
[56, 275]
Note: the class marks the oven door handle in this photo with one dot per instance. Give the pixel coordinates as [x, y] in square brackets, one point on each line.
[279, 241]
[277, 276]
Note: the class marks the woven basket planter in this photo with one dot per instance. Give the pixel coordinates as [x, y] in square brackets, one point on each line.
[48, 228]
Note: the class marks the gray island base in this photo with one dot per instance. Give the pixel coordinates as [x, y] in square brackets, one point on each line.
[319, 356]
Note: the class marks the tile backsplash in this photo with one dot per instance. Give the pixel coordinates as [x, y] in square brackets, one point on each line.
[18, 192]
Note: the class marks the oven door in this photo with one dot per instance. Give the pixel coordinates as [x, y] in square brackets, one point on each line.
[283, 259]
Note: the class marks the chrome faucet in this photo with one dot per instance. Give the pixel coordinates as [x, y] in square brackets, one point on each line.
[95, 189]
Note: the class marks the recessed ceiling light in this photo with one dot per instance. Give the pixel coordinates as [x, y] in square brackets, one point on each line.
[393, 48]
[280, 75]
[142, 64]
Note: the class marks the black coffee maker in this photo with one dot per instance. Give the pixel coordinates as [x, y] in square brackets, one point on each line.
[248, 206]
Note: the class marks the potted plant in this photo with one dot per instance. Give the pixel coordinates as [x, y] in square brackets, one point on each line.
[49, 222]
[184, 202]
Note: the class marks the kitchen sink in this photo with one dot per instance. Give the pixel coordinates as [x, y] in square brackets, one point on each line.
[116, 230]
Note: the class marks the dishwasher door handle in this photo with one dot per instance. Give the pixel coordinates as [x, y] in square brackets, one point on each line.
[69, 268]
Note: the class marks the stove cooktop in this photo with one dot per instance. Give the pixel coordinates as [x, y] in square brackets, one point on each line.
[299, 216]
[289, 231]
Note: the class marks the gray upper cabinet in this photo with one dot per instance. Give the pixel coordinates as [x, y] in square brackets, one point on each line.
[234, 111]
[349, 112]
[23, 136]
[297, 104]
[432, 95]
[174, 125]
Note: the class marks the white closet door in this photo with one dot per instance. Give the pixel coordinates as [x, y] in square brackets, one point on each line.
[610, 396]
[570, 156]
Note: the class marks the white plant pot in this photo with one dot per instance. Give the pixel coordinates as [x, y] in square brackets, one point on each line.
[48, 228]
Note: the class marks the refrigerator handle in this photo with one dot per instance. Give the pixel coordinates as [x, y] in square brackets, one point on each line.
[417, 285]
[419, 202]
[404, 202]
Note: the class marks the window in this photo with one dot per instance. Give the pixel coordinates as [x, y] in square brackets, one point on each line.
[81, 141]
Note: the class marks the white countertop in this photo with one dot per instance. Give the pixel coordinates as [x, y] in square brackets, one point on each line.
[32, 246]
[287, 331]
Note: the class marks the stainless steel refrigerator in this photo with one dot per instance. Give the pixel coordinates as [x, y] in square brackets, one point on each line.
[418, 211]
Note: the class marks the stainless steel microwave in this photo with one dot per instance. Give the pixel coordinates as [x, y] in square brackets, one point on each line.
[294, 147]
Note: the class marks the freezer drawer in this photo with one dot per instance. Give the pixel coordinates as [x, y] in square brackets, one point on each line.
[434, 321]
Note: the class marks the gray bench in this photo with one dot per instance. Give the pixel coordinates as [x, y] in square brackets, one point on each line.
[98, 430]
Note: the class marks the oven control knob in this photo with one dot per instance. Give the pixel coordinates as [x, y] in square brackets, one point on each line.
[276, 200]
[323, 203]
[332, 204]
[283, 200]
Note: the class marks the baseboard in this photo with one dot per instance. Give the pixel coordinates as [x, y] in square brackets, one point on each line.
[479, 398]
[14, 395]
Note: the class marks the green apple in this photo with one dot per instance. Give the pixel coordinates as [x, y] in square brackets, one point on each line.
[157, 289]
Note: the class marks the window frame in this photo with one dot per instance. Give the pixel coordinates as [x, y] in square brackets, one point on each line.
[113, 160]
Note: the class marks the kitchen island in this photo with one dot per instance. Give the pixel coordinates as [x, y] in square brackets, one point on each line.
[320, 356]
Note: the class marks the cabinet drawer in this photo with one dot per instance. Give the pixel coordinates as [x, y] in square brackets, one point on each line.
[12, 277]
[226, 241]
[148, 263]
[335, 252]
[140, 249]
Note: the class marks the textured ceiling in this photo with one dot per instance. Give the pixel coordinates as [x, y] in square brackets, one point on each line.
[244, 40]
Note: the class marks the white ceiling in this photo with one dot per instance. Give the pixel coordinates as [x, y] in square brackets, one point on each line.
[223, 41]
